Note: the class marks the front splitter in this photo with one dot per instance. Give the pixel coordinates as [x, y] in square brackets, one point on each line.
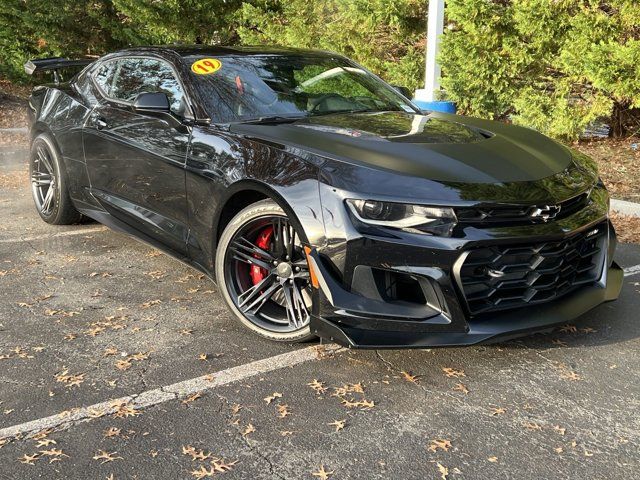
[501, 327]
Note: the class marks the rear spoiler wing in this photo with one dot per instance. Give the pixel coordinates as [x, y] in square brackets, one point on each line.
[54, 64]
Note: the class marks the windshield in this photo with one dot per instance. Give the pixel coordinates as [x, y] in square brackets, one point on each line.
[250, 87]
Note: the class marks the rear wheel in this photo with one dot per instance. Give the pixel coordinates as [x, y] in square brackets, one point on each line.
[263, 273]
[49, 183]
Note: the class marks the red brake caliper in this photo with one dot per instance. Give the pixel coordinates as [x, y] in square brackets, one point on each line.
[264, 238]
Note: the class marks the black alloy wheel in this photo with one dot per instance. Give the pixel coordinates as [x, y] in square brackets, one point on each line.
[49, 183]
[263, 271]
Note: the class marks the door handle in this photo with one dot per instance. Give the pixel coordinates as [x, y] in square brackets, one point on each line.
[98, 121]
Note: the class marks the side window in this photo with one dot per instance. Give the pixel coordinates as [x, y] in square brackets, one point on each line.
[104, 76]
[141, 75]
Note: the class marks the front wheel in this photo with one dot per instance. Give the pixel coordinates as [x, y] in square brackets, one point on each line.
[263, 273]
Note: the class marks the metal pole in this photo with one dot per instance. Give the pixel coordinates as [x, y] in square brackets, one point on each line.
[435, 27]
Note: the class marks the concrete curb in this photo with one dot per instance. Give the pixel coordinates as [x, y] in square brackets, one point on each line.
[14, 130]
[625, 208]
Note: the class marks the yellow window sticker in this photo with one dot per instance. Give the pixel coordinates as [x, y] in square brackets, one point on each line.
[205, 66]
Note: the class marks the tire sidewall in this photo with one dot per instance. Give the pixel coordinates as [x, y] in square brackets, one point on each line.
[62, 201]
[252, 212]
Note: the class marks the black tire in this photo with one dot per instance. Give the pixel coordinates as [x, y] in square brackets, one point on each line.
[45, 165]
[284, 314]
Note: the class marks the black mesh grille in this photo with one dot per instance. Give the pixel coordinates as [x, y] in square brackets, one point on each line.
[503, 277]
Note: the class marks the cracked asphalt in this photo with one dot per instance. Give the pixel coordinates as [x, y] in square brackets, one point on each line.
[88, 315]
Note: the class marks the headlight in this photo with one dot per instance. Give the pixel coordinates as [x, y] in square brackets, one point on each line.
[434, 220]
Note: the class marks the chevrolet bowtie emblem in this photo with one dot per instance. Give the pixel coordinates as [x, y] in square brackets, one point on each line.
[545, 212]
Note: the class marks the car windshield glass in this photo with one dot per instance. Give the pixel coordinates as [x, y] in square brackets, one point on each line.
[250, 87]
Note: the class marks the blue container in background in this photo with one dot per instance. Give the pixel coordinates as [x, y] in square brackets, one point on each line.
[446, 107]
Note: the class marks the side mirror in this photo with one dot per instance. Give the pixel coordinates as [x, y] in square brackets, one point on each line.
[152, 102]
[403, 91]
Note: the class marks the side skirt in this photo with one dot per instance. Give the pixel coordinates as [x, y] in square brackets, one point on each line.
[105, 218]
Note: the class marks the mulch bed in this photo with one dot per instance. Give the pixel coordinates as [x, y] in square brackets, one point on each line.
[627, 228]
[619, 165]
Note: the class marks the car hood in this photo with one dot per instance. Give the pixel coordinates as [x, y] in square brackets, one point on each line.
[435, 146]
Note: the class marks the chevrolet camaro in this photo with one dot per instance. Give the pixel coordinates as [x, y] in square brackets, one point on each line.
[320, 199]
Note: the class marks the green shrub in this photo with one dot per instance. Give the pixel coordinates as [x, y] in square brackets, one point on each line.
[552, 65]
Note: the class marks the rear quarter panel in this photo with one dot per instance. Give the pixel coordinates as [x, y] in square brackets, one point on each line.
[61, 112]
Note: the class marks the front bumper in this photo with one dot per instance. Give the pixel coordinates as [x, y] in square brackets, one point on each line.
[502, 327]
[355, 319]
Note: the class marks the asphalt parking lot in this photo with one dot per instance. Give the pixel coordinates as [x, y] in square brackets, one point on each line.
[117, 361]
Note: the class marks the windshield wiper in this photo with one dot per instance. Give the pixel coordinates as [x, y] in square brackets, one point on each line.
[273, 119]
[354, 110]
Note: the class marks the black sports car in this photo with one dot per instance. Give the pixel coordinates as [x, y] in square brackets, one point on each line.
[321, 199]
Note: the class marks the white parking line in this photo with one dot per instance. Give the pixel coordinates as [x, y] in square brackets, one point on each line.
[631, 270]
[66, 233]
[67, 419]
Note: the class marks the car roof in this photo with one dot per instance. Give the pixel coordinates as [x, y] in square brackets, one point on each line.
[220, 50]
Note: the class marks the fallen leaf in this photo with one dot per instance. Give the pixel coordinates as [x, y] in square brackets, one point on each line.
[322, 474]
[348, 388]
[69, 380]
[139, 356]
[96, 413]
[45, 442]
[570, 375]
[248, 429]
[158, 274]
[317, 386]
[112, 432]
[461, 388]
[202, 472]
[53, 453]
[493, 459]
[283, 410]
[339, 424]
[532, 426]
[439, 444]
[28, 459]
[444, 471]
[106, 456]
[453, 372]
[497, 411]
[123, 364]
[272, 397]
[559, 429]
[410, 378]
[364, 404]
[195, 454]
[202, 356]
[151, 303]
[220, 465]
[568, 328]
[125, 411]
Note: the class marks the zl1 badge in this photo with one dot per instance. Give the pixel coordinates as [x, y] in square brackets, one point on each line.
[205, 66]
